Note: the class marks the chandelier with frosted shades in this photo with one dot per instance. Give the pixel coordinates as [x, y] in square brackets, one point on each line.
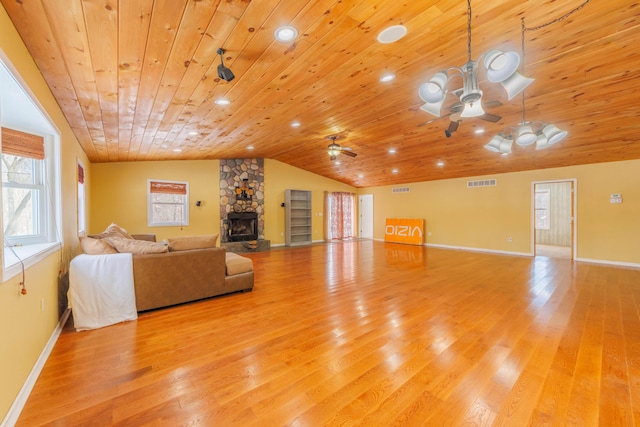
[502, 68]
[543, 135]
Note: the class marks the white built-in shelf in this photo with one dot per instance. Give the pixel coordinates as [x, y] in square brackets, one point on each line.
[298, 217]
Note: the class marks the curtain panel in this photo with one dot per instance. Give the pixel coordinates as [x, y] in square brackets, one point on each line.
[342, 215]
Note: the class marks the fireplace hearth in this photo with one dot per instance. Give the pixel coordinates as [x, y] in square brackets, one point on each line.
[243, 226]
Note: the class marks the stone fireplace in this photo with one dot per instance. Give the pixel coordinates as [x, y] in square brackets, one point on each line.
[242, 204]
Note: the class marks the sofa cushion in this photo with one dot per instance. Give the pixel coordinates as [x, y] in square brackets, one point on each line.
[186, 243]
[132, 246]
[237, 264]
[92, 246]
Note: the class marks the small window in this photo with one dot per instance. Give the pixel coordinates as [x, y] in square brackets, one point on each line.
[23, 190]
[168, 203]
[542, 209]
[82, 206]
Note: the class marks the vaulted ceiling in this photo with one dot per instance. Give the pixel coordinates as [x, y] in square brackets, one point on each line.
[137, 80]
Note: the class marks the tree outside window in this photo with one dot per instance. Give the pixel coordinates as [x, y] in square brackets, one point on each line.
[23, 198]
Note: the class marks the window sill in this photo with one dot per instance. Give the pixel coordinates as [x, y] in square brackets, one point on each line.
[29, 254]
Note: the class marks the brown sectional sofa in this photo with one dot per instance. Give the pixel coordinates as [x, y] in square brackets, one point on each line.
[170, 278]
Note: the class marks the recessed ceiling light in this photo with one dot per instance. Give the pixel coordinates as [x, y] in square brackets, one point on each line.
[223, 101]
[392, 34]
[394, 171]
[387, 77]
[285, 34]
[295, 124]
[440, 163]
[250, 147]
[392, 151]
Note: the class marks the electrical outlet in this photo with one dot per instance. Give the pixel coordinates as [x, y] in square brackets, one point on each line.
[429, 233]
[42, 305]
[510, 239]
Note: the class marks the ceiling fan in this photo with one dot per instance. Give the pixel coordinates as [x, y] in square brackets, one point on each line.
[456, 109]
[335, 149]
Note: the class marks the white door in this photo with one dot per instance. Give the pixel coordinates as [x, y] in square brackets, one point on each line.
[365, 227]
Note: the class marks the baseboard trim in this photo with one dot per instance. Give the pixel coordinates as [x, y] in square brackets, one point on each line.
[588, 260]
[469, 249]
[21, 399]
[607, 262]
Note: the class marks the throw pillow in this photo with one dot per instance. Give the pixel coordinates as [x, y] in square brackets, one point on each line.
[192, 242]
[96, 246]
[132, 246]
[115, 230]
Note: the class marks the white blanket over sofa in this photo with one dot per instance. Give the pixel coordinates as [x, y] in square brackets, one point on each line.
[101, 290]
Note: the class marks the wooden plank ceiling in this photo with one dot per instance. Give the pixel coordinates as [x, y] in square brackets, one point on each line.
[137, 80]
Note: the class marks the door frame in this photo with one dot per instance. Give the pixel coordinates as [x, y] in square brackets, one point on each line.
[574, 214]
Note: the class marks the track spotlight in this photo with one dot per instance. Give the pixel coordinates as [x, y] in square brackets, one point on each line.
[223, 72]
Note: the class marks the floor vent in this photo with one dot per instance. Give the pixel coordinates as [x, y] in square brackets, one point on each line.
[401, 190]
[482, 183]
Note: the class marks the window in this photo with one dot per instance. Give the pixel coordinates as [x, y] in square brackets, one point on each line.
[23, 199]
[168, 203]
[82, 207]
[30, 169]
[543, 198]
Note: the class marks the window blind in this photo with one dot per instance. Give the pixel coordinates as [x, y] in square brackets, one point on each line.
[168, 187]
[22, 144]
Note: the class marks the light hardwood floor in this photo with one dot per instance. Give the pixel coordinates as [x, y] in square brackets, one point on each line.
[554, 251]
[366, 333]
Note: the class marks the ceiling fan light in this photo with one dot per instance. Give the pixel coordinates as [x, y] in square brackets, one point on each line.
[334, 150]
[433, 107]
[542, 142]
[501, 65]
[505, 145]
[553, 134]
[494, 144]
[473, 109]
[515, 84]
[526, 136]
[434, 90]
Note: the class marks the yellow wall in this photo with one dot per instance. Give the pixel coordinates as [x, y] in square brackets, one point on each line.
[24, 327]
[481, 218]
[485, 217]
[279, 177]
[120, 195]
